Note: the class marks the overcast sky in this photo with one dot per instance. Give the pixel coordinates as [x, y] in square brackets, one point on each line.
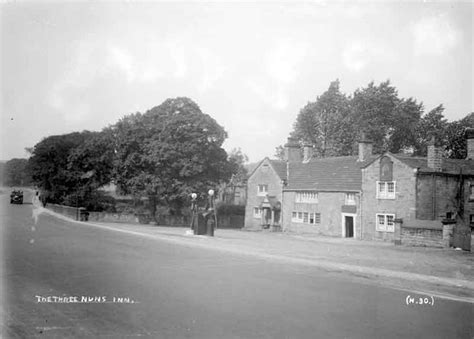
[250, 65]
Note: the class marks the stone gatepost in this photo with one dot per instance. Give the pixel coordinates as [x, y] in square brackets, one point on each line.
[397, 233]
[448, 230]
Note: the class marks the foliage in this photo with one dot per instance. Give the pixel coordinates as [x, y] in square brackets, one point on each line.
[226, 209]
[432, 124]
[324, 123]
[334, 121]
[386, 119]
[70, 168]
[456, 146]
[16, 173]
[169, 152]
[237, 161]
[49, 165]
[92, 163]
[279, 152]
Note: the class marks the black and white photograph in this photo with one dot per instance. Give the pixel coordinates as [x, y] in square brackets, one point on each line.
[237, 169]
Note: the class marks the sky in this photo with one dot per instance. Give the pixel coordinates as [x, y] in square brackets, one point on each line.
[252, 65]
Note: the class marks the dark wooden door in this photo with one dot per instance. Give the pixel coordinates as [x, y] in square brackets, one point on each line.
[349, 222]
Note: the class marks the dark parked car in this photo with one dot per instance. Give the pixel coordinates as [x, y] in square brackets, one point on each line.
[16, 197]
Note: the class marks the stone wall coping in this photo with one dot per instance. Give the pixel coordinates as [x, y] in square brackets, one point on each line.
[424, 227]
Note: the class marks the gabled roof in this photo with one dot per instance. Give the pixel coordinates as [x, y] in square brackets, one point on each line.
[279, 166]
[327, 174]
[450, 166]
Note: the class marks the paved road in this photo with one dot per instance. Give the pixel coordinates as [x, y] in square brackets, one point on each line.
[180, 291]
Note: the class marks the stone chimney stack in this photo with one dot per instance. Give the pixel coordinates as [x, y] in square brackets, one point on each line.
[470, 143]
[292, 150]
[307, 152]
[365, 148]
[435, 156]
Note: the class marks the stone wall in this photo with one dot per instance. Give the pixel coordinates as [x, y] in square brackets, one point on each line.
[112, 217]
[70, 212]
[422, 236]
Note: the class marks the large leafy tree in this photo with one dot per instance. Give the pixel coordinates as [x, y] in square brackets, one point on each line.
[169, 152]
[16, 172]
[390, 122]
[324, 123]
[49, 165]
[432, 124]
[91, 163]
[456, 146]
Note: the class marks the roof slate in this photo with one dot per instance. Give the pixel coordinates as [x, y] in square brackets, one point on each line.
[327, 174]
[280, 168]
[449, 166]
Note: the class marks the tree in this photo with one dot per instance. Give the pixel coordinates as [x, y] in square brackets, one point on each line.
[456, 146]
[432, 124]
[49, 165]
[385, 118]
[280, 152]
[92, 163]
[16, 172]
[169, 152]
[324, 123]
[237, 161]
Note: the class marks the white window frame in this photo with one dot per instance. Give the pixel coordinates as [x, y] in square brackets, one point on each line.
[306, 217]
[387, 226]
[350, 202]
[257, 212]
[384, 192]
[307, 197]
[262, 189]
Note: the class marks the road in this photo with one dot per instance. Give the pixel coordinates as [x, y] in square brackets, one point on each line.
[171, 290]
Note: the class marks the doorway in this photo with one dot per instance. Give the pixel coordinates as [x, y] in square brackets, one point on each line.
[348, 225]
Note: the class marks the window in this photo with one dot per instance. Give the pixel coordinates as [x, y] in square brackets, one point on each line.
[262, 189]
[306, 217]
[307, 197]
[257, 212]
[350, 198]
[385, 222]
[471, 192]
[385, 189]
[471, 219]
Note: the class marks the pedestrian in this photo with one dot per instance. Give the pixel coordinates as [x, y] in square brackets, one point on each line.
[37, 207]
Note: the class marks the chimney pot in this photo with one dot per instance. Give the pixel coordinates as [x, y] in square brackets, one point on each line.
[292, 150]
[307, 152]
[435, 156]
[365, 148]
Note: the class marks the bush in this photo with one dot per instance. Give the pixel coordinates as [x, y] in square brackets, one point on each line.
[226, 209]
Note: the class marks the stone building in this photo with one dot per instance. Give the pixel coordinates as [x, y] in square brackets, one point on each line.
[322, 195]
[264, 194]
[419, 194]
